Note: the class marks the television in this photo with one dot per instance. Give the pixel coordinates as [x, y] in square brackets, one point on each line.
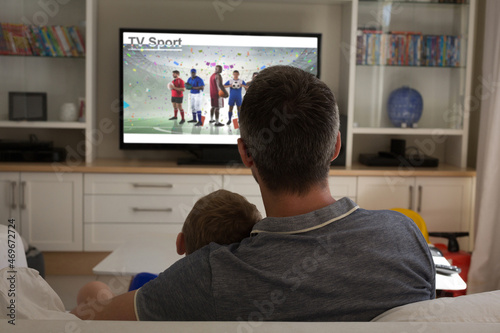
[148, 59]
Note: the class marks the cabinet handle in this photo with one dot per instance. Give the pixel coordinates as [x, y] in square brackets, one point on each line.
[22, 204]
[419, 205]
[152, 185]
[138, 210]
[411, 198]
[13, 203]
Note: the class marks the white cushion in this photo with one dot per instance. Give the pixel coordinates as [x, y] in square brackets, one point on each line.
[32, 295]
[475, 308]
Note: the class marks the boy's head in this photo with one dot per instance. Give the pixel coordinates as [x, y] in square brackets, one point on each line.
[175, 74]
[236, 75]
[289, 127]
[222, 217]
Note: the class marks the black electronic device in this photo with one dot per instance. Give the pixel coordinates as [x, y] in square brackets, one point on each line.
[30, 151]
[148, 58]
[27, 106]
[398, 157]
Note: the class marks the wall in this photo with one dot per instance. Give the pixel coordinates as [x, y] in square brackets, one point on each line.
[476, 83]
[161, 14]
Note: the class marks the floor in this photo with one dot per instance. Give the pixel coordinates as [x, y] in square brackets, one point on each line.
[67, 286]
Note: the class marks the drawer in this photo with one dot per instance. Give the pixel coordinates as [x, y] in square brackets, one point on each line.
[244, 185]
[107, 237]
[137, 208]
[343, 187]
[257, 201]
[151, 184]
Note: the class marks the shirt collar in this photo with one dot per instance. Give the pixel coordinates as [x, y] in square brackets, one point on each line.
[306, 222]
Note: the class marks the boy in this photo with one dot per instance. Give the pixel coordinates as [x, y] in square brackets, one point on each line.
[222, 217]
[235, 85]
[177, 95]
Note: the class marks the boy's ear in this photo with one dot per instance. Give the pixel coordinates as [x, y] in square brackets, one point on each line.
[180, 243]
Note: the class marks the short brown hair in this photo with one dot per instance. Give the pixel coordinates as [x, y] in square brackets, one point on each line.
[289, 122]
[222, 217]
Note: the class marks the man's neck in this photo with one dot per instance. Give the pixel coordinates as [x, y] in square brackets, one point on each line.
[283, 205]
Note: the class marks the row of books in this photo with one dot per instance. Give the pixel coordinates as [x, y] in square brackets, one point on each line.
[407, 49]
[52, 41]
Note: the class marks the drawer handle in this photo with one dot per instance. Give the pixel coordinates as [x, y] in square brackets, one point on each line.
[13, 204]
[419, 206]
[22, 205]
[411, 198]
[152, 185]
[138, 210]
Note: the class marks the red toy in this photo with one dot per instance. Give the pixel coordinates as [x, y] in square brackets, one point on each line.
[456, 257]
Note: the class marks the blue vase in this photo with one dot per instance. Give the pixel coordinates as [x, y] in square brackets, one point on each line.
[405, 106]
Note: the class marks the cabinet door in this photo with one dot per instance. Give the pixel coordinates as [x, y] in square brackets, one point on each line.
[246, 186]
[52, 217]
[9, 198]
[446, 205]
[343, 187]
[386, 192]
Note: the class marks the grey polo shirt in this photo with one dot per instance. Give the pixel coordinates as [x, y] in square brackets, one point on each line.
[338, 263]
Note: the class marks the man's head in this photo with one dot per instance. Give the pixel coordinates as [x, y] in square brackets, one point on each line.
[218, 69]
[236, 75]
[289, 129]
[222, 217]
[175, 74]
[193, 73]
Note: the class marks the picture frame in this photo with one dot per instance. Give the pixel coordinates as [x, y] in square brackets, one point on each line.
[31, 106]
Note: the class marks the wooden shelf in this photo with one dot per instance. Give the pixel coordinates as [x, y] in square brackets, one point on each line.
[407, 131]
[171, 167]
[42, 124]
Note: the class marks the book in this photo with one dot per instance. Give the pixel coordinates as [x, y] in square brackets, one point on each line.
[49, 48]
[54, 42]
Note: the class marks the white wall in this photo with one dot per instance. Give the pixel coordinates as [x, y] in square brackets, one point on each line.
[200, 15]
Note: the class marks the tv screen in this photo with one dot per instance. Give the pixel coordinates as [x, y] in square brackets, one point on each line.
[153, 63]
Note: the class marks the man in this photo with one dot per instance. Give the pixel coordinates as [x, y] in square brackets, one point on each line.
[177, 96]
[313, 258]
[253, 78]
[217, 101]
[196, 85]
[235, 86]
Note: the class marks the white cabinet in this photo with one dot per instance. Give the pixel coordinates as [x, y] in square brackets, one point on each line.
[121, 206]
[247, 186]
[390, 44]
[343, 187]
[47, 208]
[64, 79]
[445, 203]
[9, 203]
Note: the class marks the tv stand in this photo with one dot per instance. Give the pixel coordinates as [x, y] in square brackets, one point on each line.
[213, 156]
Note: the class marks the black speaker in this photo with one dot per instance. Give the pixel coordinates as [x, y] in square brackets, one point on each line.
[398, 147]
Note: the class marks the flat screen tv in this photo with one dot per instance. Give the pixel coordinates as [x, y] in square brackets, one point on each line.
[148, 59]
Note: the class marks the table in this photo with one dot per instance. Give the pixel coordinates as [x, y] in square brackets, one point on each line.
[151, 253]
[154, 253]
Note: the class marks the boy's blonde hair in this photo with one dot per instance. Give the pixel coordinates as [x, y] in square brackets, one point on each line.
[222, 217]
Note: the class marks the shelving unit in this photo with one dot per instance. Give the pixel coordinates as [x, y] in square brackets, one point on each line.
[64, 79]
[444, 122]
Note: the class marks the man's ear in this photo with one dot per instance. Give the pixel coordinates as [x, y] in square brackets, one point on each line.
[180, 244]
[246, 158]
[338, 145]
